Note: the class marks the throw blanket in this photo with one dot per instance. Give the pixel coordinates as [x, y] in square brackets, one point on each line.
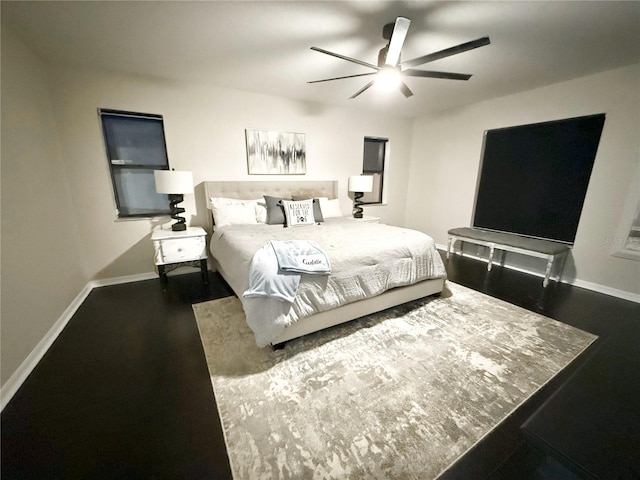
[275, 268]
[301, 256]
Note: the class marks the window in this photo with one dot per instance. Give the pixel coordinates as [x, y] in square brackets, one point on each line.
[631, 242]
[135, 148]
[373, 163]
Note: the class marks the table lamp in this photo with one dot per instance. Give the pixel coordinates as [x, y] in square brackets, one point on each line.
[176, 184]
[358, 184]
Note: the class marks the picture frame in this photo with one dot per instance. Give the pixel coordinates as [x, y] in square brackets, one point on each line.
[275, 153]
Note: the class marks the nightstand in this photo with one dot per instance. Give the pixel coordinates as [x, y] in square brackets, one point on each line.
[368, 219]
[175, 249]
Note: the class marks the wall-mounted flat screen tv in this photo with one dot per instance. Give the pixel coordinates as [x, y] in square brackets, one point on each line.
[533, 178]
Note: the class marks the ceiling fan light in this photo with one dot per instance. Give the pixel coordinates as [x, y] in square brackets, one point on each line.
[388, 79]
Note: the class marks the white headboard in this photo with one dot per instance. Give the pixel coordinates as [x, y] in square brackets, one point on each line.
[248, 190]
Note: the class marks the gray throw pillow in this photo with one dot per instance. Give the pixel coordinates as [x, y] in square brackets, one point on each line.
[275, 211]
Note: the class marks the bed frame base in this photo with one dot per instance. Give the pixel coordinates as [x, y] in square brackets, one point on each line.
[351, 311]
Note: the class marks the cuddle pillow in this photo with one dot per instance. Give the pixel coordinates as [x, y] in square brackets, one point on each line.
[330, 208]
[298, 213]
[317, 210]
[275, 212]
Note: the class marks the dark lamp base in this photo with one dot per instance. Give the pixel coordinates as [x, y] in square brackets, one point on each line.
[357, 204]
[174, 200]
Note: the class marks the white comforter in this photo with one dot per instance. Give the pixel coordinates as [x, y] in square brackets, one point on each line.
[366, 260]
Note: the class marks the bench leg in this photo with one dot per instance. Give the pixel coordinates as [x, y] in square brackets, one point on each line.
[449, 244]
[560, 268]
[548, 272]
[491, 250]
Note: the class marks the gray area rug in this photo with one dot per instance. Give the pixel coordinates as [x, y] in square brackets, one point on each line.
[400, 394]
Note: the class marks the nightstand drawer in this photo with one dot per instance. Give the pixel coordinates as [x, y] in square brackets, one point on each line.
[179, 250]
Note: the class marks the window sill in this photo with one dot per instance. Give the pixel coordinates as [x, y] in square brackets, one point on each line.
[628, 254]
[142, 217]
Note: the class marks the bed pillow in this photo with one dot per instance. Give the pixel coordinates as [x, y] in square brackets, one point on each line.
[261, 211]
[298, 213]
[275, 212]
[234, 214]
[317, 210]
[232, 211]
[258, 206]
[330, 207]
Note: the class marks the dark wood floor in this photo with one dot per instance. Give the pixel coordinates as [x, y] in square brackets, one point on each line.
[584, 424]
[124, 391]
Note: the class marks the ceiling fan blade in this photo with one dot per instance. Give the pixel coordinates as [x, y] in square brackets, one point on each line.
[348, 59]
[405, 90]
[340, 78]
[362, 89]
[431, 74]
[447, 52]
[397, 40]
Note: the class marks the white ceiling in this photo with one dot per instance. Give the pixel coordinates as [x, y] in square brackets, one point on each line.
[263, 46]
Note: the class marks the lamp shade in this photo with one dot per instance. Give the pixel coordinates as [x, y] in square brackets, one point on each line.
[172, 181]
[361, 183]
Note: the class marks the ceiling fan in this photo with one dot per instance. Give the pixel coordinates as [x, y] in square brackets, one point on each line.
[391, 68]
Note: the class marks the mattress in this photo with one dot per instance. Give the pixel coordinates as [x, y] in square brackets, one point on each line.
[367, 259]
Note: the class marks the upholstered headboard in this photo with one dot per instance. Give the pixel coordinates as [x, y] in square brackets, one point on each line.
[253, 190]
[248, 190]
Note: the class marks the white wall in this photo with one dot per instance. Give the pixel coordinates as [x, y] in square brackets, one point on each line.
[42, 261]
[446, 151]
[205, 132]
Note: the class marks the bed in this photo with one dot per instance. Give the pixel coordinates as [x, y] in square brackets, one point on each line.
[364, 277]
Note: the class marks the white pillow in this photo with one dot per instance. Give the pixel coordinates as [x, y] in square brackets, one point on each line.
[330, 207]
[261, 211]
[230, 211]
[222, 201]
[298, 213]
[258, 204]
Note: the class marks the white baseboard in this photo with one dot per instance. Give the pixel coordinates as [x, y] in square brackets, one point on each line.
[125, 279]
[614, 292]
[596, 287]
[16, 380]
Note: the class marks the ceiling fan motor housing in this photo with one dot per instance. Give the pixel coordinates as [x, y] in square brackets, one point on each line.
[387, 31]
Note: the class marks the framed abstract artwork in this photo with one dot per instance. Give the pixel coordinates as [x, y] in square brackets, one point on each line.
[275, 153]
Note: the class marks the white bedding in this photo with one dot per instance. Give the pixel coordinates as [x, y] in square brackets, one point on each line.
[366, 260]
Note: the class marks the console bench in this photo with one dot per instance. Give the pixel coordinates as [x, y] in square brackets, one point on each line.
[512, 243]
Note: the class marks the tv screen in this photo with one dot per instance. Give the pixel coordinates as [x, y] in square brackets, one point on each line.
[533, 178]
